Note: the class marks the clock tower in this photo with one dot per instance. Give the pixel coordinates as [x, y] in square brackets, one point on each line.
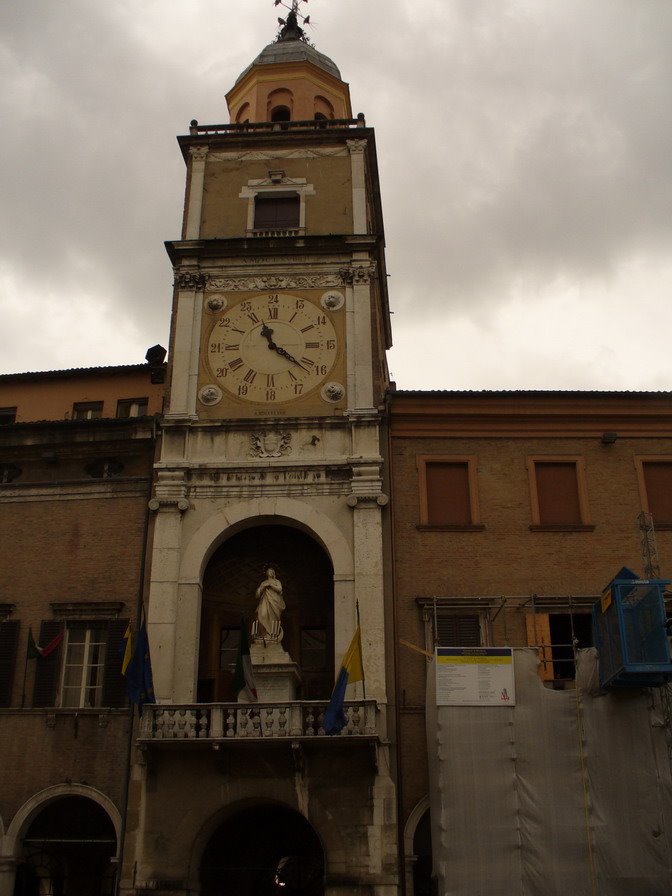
[271, 464]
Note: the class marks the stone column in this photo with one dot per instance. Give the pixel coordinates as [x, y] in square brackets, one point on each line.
[359, 218]
[196, 182]
[7, 874]
[185, 355]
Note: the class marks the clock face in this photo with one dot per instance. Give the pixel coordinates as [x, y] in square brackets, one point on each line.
[273, 348]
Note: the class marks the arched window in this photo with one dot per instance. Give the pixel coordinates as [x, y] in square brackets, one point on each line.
[280, 113]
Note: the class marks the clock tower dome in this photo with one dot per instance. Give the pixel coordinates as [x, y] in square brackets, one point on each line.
[269, 491]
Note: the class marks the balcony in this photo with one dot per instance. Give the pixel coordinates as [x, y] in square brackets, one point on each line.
[218, 723]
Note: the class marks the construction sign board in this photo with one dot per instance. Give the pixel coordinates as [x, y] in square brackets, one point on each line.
[475, 676]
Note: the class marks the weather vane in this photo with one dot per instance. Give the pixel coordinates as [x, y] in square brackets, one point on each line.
[289, 26]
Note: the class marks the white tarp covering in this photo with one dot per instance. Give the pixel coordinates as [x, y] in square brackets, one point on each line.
[556, 796]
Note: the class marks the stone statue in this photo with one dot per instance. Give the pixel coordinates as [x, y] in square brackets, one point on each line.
[269, 608]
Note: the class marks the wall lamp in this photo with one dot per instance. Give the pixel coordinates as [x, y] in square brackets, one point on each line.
[608, 438]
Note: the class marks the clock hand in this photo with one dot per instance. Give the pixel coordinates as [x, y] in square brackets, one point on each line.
[267, 333]
[286, 355]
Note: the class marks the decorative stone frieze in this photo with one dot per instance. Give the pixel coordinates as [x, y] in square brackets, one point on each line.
[286, 281]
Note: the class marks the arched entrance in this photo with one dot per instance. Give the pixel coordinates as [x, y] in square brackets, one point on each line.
[265, 850]
[229, 585]
[67, 851]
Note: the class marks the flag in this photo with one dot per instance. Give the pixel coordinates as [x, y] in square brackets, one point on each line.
[34, 649]
[243, 677]
[126, 649]
[139, 684]
[352, 669]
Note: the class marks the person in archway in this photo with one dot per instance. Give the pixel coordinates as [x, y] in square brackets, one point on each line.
[270, 606]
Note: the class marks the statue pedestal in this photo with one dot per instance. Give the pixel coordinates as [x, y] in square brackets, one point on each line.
[277, 677]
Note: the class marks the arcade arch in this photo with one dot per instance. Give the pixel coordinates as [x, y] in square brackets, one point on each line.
[65, 840]
[264, 849]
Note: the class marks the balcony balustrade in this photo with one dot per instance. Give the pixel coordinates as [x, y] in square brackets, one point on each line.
[254, 721]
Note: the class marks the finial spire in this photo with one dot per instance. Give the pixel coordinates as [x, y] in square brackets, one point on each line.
[290, 28]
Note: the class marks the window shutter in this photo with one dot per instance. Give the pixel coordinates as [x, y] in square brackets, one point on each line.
[658, 480]
[277, 212]
[114, 683]
[448, 500]
[558, 494]
[47, 668]
[458, 631]
[9, 641]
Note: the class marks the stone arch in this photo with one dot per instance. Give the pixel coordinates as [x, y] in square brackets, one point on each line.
[31, 808]
[421, 808]
[283, 511]
[226, 813]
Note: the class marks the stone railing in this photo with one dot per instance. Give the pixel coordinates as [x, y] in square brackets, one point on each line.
[275, 126]
[252, 721]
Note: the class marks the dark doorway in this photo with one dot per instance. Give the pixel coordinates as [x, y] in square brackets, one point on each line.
[422, 849]
[229, 586]
[263, 851]
[67, 851]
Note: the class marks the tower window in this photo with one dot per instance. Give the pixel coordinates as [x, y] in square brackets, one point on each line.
[281, 113]
[277, 211]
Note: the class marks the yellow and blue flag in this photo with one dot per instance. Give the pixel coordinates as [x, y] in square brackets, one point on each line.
[352, 669]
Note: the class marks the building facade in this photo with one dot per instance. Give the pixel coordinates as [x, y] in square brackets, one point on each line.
[511, 514]
[76, 470]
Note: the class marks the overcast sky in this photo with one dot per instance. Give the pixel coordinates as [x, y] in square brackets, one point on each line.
[525, 151]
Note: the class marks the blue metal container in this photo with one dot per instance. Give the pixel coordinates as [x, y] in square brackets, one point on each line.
[630, 634]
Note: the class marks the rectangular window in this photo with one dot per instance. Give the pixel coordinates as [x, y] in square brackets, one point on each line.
[83, 665]
[132, 407]
[84, 670]
[277, 211]
[7, 415]
[448, 492]
[458, 629]
[87, 410]
[655, 486]
[558, 492]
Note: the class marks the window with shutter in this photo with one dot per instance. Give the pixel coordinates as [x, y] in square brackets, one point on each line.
[558, 492]
[448, 492]
[277, 211]
[655, 476]
[458, 630]
[85, 670]
[9, 641]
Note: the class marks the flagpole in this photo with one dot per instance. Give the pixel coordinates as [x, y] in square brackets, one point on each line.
[25, 673]
[360, 650]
